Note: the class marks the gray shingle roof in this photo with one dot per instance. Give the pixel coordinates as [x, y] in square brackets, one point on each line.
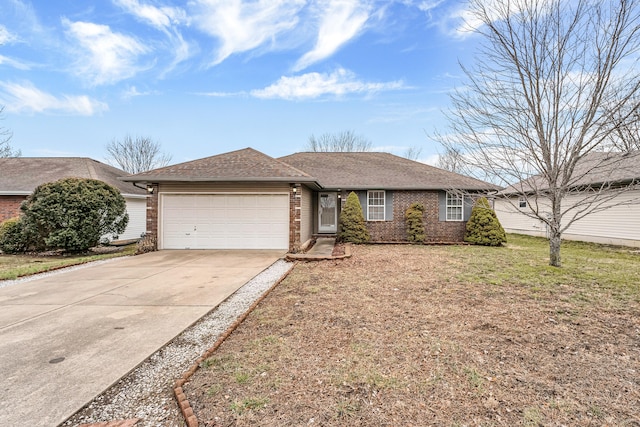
[241, 165]
[372, 170]
[593, 169]
[21, 175]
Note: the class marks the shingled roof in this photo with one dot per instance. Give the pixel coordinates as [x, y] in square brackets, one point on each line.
[241, 165]
[21, 175]
[594, 169]
[372, 170]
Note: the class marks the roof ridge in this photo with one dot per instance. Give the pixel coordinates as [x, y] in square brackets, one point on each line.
[91, 168]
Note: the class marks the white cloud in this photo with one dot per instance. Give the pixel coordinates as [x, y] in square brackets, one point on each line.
[13, 63]
[165, 19]
[463, 21]
[341, 21]
[241, 26]
[314, 85]
[222, 94]
[429, 5]
[6, 36]
[133, 92]
[27, 98]
[105, 56]
[162, 18]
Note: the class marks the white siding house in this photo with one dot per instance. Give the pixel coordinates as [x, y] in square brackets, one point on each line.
[137, 210]
[618, 224]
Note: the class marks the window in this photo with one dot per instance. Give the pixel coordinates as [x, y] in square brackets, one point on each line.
[375, 205]
[455, 206]
[522, 203]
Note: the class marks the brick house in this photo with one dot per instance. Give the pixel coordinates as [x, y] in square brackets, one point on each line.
[19, 176]
[245, 199]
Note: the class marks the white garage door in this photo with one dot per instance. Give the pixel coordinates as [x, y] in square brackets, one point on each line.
[225, 221]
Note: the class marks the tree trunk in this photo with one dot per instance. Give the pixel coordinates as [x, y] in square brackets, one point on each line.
[554, 248]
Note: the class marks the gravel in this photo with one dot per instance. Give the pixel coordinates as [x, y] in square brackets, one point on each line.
[147, 391]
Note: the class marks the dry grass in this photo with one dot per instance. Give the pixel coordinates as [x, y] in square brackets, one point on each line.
[414, 335]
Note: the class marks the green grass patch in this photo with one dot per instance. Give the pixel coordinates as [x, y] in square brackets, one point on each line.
[15, 266]
[590, 269]
[249, 404]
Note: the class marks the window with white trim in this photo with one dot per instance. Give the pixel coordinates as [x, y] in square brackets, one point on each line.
[375, 205]
[522, 202]
[455, 207]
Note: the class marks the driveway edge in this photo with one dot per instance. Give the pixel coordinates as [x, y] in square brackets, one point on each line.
[185, 407]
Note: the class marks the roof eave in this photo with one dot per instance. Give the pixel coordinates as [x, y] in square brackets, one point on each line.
[407, 188]
[215, 179]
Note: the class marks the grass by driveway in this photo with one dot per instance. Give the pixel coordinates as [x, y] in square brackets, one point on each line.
[14, 266]
[424, 335]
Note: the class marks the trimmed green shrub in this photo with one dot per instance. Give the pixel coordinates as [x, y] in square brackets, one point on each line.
[483, 227]
[73, 213]
[12, 238]
[352, 226]
[414, 222]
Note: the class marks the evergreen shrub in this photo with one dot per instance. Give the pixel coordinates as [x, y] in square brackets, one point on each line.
[73, 213]
[352, 226]
[12, 238]
[483, 227]
[414, 223]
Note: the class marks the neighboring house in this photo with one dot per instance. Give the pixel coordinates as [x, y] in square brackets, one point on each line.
[597, 183]
[247, 200]
[19, 176]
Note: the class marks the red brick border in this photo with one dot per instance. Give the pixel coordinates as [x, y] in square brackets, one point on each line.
[185, 407]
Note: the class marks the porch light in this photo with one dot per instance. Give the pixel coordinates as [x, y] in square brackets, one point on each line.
[150, 189]
[295, 189]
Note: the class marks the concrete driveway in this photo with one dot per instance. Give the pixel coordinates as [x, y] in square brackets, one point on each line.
[66, 338]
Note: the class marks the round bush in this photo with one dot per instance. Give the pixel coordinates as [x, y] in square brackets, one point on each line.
[73, 213]
[12, 238]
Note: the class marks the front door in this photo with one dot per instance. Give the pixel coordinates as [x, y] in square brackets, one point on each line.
[327, 212]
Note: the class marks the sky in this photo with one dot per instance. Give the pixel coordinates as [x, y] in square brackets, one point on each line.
[204, 77]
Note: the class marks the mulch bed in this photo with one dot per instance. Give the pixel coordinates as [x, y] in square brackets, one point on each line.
[391, 337]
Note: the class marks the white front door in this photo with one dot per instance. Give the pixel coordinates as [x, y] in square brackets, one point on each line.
[327, 212]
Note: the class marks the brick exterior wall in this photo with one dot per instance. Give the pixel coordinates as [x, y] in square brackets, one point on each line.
[10, 206]
[152, 216]
[435, 230]
[295, 211]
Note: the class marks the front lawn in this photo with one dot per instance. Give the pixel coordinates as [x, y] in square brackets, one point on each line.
[427, 335]
[14, 266]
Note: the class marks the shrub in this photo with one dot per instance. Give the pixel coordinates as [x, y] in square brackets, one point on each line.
[352, 226]
[414, 222]
[12, 238]
[73, 213]
[483, 227]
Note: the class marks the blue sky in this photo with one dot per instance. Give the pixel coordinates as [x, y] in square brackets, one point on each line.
[203, 77]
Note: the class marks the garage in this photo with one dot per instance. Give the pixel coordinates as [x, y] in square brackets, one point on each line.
[224, 221]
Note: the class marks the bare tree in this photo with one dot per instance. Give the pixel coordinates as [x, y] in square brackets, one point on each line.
[554, 81]
[345, 141]
[136, 155]
[451, 160]
[6, 150]
[627, 138]
[413, 152]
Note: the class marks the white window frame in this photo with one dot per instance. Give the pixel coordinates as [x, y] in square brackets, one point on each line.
[382, 206]
[522, 202]
[459, 204]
